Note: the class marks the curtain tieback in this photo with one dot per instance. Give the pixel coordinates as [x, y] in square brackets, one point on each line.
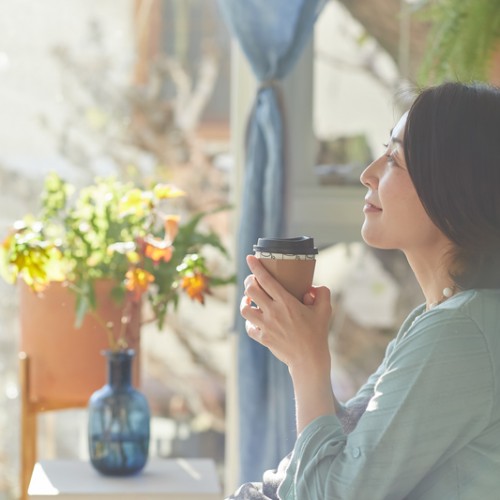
[269, 84]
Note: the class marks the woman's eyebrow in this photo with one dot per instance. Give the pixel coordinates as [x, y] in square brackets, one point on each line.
[396, 140]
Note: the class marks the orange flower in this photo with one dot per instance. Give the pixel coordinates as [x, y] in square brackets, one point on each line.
[137, 281]
[171, 227]
[196, 286]
[157, 249]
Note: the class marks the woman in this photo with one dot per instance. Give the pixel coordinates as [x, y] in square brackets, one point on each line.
[426, 425]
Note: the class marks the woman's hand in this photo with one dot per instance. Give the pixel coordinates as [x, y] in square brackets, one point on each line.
[295, 332]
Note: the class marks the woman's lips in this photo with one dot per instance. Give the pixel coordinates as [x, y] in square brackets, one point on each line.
[370, 208]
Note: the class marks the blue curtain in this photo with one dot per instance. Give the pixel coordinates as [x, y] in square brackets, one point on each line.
[272, 34]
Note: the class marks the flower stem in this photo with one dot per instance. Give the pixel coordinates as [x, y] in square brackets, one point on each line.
[109, 331]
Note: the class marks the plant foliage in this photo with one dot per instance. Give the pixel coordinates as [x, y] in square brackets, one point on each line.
[464, 36]
[112, 230]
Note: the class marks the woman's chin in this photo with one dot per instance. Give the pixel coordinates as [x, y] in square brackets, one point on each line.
[374, 239]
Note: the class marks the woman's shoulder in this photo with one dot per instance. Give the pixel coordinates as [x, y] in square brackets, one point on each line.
[472, 296]
[479, 306]
[470, 312]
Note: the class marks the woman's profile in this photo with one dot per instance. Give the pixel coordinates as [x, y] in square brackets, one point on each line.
[426, 425]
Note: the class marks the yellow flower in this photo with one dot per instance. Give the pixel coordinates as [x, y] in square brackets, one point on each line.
[196, 286]
[164, 191]
[137, 281]
[136, 201]
[34, 267]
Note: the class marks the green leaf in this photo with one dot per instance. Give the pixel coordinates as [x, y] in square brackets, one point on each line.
[82, 308]
[462, 40]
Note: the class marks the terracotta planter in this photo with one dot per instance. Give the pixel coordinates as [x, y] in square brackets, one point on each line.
[66, 364]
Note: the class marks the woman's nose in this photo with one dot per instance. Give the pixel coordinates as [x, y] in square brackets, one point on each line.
[368, 177]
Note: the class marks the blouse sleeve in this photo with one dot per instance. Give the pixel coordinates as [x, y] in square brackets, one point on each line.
[433, 395]
[350, 412]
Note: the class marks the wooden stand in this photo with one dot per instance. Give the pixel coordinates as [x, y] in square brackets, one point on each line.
[29, 412]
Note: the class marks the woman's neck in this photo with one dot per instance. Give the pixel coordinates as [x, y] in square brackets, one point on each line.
[432, 272]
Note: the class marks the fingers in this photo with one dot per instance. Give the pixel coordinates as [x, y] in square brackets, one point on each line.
[262, 286]
[253, 331]
[319, 297]
[322, 296]
[272, 287]
[308, 299]
[255, 292]
[252, 315]
[250, 312]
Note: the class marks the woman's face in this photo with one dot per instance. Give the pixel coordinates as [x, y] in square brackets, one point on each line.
[394, 215]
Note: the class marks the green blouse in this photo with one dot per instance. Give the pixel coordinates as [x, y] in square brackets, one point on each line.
[426, 425]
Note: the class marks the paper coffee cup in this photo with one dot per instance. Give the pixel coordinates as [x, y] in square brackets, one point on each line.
[291, 261]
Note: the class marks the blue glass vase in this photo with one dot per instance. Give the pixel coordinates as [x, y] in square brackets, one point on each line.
[119, 420]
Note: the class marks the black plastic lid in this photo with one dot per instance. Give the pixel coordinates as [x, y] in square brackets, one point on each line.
[300, 245]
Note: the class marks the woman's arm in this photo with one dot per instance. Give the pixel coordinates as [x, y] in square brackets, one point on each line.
[433, 397]
[298, 324]
[416, 418]
[297, 334]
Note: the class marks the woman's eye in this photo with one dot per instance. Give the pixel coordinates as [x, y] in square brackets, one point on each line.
[391, 159]
[390, 155]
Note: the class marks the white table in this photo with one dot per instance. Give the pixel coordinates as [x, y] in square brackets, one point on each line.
[165, 479]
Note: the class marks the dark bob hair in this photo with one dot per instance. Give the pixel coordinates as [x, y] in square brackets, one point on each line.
[452, 150]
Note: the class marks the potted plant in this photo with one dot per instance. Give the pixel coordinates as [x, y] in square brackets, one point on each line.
[109, 248]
